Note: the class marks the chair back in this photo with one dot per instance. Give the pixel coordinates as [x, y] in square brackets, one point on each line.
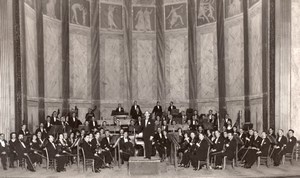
[83, 154]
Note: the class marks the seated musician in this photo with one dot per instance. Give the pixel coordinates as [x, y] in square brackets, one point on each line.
[12, 147]
[166, 144]
[201, 152]
[95, 143]
[106, 145]
[235, 131]
[272, 132]
[119, 109]
[279, 148]
[55, 153]
[171, 107]
[291, 142]
[165, 126]
[36, 149]
[183, 117]
[93, 124]
[157, 110]
[91, 154]
[194, 123]
[48, 124]
[225, 136]
[54, 118]
[209, 134]
[184, 144]
[258, 149]
[158, 142]
[191, 150]
[217, 148]
[126, 148]
[200, 129]
[3, 151]
[42, 129]
[22, 152]
[139, 125]
[131, 127]
[187, 125]
[73, 122]
[247, 143]
[230, 149]
[24, 130]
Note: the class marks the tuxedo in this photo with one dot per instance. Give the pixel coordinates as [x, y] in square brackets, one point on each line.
[43, 131]
[24, 132]
[74, 122]
[22, 151]
[54, 121]
[291, 144]
[48, 126]
[230, 149]
[148, 128]
[119, 110]
[157, 110]
[93, 124]
[279, 152]
[225, 122]
[3, 153]
[89, 154]
[54, 153]
[259, 147]
[127, 148]
[135, 111]
[170, 108]
[108, 153]
[201, 153]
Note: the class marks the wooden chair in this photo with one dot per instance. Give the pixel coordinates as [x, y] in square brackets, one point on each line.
[289, 156]
[267, 158]
[87, 162]
[50, 163]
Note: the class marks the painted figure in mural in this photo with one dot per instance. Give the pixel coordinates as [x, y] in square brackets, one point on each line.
[51, 8]
[110, 16]
[147, 16]
[234, 7]
[81, 8]
[140, 25]
[206, 10]
[174, 16]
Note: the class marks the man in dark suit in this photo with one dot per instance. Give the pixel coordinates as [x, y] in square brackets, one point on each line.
[106, 145]
[3, 151]
[157, 110]
[91, 154]
[291, 142]
[135, 111]
[217, 148]
[54, 118]
[171, 107]
[93, 124]
[74, 122]
[41, 129]
[279, 148]
[22, 152]
[119, 109]
[54, 153]
[201, 151]
[148, 128]
[227, 120]
[48, 124]
[24, 130]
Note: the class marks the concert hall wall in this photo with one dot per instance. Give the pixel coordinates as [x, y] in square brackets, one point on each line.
[109, 54]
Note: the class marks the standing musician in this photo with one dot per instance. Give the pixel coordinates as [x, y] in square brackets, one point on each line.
[119, 109]
[55, 153]
[279, 148]
[3, 151]
[42, 129]
[171, 107]
[135, 111]
[148, 128]
[24, 131]
[258, 149]
[157, 110]
[201, 152]
[126, 148]
[217, 148]
[93, 124]
[12, 147]
[106, 145]
[91, 154]
[22, 152]
[190, 151]
[54, 119]
[74, 122]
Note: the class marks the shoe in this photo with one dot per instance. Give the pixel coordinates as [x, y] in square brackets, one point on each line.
[5, 168]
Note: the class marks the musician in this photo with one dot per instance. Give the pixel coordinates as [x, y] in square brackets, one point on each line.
[95, 143]
[165, 126]
[272, 132]
[12, 147]
[55, 153]
[135, 111]
[93, 124]
[24, 131]
[187, 125]
[54, 119]
[183, 117]
[184, 145]
[194, 122]
[90, 114]
[200, 129]
[74, 122]
[171, 107]
[106, 145]
[230, 149]
[22, 152]
[91, 154]
[209, 134]
[279, 148]
[253, 147]
[48, 124]
[62, 144]
[126, 148]
[217, 147]
[260, 149]
[235, 131]
[243, 135]
[166, 143]
[35, 149]
[201, 151]
[190, 151]
[227, 120]
[157, 110]
[42, 130]
[157, 139]
[148, 128]
[3, 151]
[119, 109]
[291, 142]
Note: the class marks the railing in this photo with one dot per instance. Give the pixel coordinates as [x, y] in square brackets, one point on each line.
[174, 147]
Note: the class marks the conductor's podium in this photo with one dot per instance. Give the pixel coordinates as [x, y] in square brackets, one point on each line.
[141, 166]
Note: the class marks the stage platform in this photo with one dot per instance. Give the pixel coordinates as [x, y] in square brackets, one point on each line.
[282, 171]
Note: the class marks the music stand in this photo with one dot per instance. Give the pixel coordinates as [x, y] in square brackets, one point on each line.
[175, 112]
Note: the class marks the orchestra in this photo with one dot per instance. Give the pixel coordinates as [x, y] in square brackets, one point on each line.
[200, 139]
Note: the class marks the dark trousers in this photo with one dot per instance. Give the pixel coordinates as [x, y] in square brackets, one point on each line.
[250, 158]
[12, 158]
[148, 147]
[186, 158]
[98, 161]
[277, 156]
[4, 160]
[61, 161]
[108, 156]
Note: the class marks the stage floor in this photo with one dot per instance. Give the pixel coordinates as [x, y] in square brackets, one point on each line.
[286, 170]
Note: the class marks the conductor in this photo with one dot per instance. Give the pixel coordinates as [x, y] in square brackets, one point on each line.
[148, 128]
